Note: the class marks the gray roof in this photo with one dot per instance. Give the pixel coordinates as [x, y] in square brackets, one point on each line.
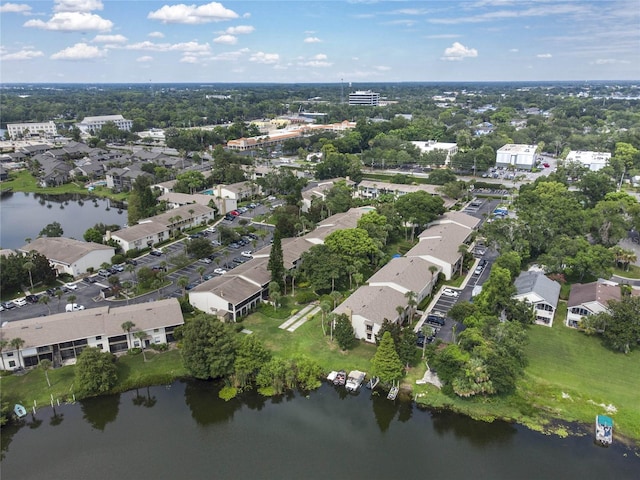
[373, 303]
[63, 250]
[139, 231]
[231, 288]
[107, 321]
[540, 284]
[459, 218]
[602, 293]
[411, 273]
[441, 241]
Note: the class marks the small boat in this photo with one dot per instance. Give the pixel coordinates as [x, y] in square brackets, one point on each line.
[604, 430]
[19, 410]
[340, 378]
[355, 379]
[332, 376]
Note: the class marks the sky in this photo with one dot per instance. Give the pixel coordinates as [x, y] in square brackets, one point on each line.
[304, 41]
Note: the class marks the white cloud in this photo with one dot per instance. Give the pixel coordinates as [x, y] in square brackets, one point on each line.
[191, 47]
[312, 40]
[514, 50]
[266, 58]
[411, 11]
[80, 51]
[320, 56]
[382, 68]
[457, 52]
[406, 22]
[15, 8]
[226, 40]
[317, 61]
[231, 56]
[192, 14]
[189, 59]
[544, 55]
[240, 30]
[156, 35]
[77, 5]
[541, 10]
[109, 39]
[24, 54]
[609, 61]
[73, 22]
[144, 59]
[444, 35]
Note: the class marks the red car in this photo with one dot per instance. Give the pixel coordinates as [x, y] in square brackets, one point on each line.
[545, 165]
[235, 213]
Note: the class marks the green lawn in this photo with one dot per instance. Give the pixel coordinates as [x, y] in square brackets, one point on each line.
[633, 272]
[308, 340]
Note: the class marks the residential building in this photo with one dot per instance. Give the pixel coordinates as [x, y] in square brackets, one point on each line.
[518, 156]
[70, 256]
[374, 188]
[432, 145]
[407, 274]
[175, 200]
[364, 97]
[121, 179]
[591, 298]
[237, 191]
[594, 161]
[542, 293]
[31, 130]
[320, 189]
[61, 337]
[91, 125]
[160, 228]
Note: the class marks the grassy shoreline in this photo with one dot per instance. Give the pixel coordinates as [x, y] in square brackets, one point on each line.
[560, 394]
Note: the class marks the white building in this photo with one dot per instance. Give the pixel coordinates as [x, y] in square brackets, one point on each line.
[61, 337]
[94, 124]
[71, 256]
[26, 131]
[431, 145]
[519, 156]
[594, 161]
[364, 97]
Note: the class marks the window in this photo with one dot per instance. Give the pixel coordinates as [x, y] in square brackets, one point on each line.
[99, 337]
[156, 330]
[10, 354]
[369, 328]
[99, 346]
[368, 336]
[136, 343]
[12, 364]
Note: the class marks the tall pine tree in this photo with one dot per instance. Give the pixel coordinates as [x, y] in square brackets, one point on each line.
[386, 363]
[276, 260]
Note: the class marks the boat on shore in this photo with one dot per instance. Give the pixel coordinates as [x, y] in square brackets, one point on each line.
[19, 410]
[355, 379]
[604, 430]
[340, 379]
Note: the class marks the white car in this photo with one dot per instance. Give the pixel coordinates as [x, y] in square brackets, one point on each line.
[71, 286]
[220, 271]
[247, 253]
[206, 260]
[73, 307]
[20, 302]
[448, 292]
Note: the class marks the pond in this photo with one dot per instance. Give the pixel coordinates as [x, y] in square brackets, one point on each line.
[185, 431]
[23, 215]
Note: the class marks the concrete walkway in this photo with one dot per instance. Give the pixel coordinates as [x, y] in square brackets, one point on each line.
[300, 318]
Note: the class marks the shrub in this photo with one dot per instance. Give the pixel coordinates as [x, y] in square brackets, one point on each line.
[118, 258]
[185, 306]
[134, 351]
[133, 253]
[159, 347]
[227, 393]
[305, 296]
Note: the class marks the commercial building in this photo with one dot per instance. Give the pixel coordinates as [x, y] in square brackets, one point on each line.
[450, 148]
[27, 131]
[91, 125]
[519, 156]
[364, 97]
[594, 161]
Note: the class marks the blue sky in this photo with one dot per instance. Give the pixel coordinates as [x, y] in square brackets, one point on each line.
[358, 41]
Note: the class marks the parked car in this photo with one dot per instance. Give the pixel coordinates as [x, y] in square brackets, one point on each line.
[206, 260]
[71, 286]
[229, 217]
[234, 245]
[89, 280]
[32, 298]
[208, 277]
[8, 305]
[215, 243]
[73, 307]
[239, 260]
[448, 292]
[436, 318]
[252, 236]
[155, 253]
[52, 291]
[545, 165]
[478, 270]
[247, 253]
[219, 271]
[104, 273]
[19, 302]
[235, 213]
[132, 261]
[482, 262]
[118, 268]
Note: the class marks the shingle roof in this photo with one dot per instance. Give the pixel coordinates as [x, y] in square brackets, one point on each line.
[582, 293]
[64, 327]
[441, 241]
[231, 288]
[540, 284]
[63, 250]
[409, 273]
[373, 303]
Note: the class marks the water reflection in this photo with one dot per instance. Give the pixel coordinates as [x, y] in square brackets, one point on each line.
[100, 411]
[201, 396]
[56, 418]
[478, 434]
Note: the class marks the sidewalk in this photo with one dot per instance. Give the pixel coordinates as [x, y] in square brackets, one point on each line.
[300, 318]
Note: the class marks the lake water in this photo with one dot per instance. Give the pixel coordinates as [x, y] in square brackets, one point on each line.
[23, 215]
[186, 431]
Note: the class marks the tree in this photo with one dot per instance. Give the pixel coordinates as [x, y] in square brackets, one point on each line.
[3, 344]
[496, 291]
[53, 229]
[276, 259]
[208, 347]
[345, 335]
[411, 303]
[95, 372]
[183, 281]
[352, 244]
[92, 235]
[251, 354]
[29, 266]
[127, 327]
[201, 271]
[621, 325]
[142, 336]
[419, 208]
[325, 308]
[199, 247]
[386, 364]
[376, 226]
[274, 294]
[45, 364]
[17, 343]
[594, 186]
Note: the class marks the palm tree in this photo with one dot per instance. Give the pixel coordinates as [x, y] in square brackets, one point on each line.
[29, 266]
[325, 308]
[71, 298]
[132, 270]
[127, 326]
[44, 299]
[400, 310]
[182, 283]
[462, 249]
[3, 344]
[411, 303]
[45, 364]
[59, 294]
[201, 271]
[336, 296]
[141, 335]
[17, 343]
